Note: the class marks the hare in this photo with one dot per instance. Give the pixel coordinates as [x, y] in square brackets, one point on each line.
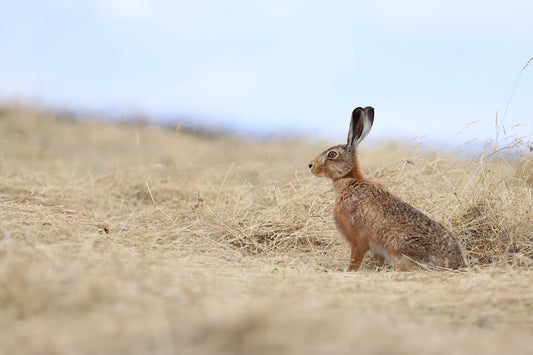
[370, 217]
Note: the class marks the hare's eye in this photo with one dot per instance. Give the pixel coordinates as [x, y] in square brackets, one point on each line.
[332, 154]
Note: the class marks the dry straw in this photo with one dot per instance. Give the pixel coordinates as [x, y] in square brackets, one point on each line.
[252, 199]
[125, 239]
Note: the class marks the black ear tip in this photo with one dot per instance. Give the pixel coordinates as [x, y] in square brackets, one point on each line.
[358, 111]
[369, 111]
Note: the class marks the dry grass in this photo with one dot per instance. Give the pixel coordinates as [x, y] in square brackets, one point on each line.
[123, 239]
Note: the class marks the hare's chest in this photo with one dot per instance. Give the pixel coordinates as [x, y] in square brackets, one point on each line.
[348, 219]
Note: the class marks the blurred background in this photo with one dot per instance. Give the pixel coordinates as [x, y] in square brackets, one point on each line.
[440, 71]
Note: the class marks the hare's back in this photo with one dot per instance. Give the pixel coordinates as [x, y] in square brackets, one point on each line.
[415, 234]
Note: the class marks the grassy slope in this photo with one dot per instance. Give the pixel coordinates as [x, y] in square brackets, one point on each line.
[121, 239]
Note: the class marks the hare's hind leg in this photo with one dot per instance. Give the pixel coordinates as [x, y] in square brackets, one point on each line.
[356, 257]
[380, 261]
[404, 263]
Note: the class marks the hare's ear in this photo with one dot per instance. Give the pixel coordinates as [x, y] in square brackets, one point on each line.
[360, 125]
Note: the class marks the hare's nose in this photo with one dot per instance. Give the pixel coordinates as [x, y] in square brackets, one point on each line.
[311, 165]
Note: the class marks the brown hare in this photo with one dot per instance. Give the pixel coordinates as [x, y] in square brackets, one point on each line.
[370, 217]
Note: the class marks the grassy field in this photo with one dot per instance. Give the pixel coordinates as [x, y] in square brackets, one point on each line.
[122, 239]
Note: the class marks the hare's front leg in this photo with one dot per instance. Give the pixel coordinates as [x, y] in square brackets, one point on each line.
[358, 252]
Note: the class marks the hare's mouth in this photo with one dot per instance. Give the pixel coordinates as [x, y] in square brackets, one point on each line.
[316, 170]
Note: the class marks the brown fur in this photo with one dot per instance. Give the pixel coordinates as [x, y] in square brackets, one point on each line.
[370, 217]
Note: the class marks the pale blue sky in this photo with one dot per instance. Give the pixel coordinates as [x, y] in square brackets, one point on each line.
[428, 67]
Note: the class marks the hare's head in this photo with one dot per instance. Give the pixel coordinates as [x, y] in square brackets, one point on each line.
[341, 160]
